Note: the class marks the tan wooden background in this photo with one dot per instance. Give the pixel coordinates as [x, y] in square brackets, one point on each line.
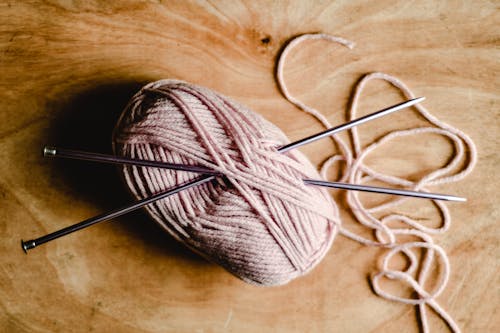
[67, 68]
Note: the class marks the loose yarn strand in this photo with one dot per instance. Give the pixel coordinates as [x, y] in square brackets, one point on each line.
[347, 155]
[357, 173]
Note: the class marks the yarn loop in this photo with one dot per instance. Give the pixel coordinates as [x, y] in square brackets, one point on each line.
[357, 172]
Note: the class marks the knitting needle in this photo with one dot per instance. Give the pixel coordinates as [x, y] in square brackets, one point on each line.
[110, 215]
[74, 154]
[88, 156]
[30, 244]
[351, 124]
[384, 190]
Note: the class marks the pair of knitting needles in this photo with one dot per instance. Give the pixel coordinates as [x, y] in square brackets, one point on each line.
[209, 175]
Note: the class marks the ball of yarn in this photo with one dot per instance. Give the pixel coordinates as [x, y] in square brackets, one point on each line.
[259, 221]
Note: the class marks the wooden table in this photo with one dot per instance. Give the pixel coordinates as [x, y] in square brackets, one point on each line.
[69, 67]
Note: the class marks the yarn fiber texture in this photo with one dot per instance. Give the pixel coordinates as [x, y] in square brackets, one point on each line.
[259, 221]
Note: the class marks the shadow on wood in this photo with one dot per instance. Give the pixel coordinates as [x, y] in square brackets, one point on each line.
[86, 122]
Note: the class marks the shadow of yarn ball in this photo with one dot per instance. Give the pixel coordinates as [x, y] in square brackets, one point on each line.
[85, 122]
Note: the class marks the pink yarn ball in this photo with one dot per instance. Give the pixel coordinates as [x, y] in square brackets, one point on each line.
[259, 221]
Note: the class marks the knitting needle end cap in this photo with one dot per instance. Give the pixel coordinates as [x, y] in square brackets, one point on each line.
[28, 245]
[49, 151]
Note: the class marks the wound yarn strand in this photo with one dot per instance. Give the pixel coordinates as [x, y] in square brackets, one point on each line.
[260, 221]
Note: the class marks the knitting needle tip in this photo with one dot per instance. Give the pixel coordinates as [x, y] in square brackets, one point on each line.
[458, 199]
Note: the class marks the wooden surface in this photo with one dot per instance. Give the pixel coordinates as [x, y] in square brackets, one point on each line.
[67, 68]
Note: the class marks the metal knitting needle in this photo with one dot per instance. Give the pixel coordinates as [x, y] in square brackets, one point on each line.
[95, 157]
[384, 190]
[59, 152]
[30, 244]
[26, 245]
[351, 124]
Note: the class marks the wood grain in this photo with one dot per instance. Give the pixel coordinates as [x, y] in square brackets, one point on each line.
[68, 68]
